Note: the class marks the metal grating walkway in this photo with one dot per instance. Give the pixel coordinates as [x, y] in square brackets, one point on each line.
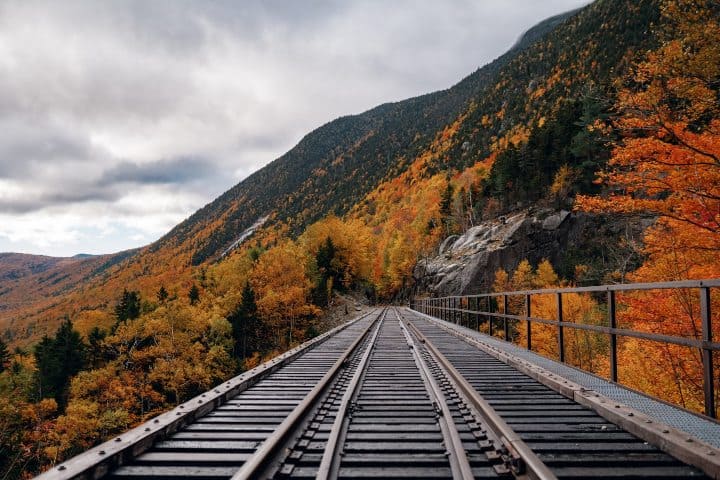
[696, 426]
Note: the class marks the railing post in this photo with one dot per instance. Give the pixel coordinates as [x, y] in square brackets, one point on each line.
[707, 354]
[458, 313]
[477, 315]
[505, 320]
[561, 336]
[612, 321]
[488, 306]
[527, 322]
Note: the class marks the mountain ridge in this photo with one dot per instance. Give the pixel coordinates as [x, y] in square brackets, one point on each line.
[337, 166]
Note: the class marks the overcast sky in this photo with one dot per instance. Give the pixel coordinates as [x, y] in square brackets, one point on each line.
[118, 119]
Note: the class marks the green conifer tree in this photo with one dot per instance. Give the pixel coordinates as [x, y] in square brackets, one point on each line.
[4, 356]
[194, 294]
[57, 359]
[162, 294]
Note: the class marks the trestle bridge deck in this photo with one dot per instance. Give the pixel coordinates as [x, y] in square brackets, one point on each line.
[392, 394]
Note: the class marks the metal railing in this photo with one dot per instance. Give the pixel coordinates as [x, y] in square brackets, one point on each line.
[495, 309]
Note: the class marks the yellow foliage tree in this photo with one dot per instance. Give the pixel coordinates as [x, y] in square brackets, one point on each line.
[353, 245]
[282, 287]
[583, 349]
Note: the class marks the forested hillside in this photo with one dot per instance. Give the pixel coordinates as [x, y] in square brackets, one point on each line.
[354, 206]
[333, 168]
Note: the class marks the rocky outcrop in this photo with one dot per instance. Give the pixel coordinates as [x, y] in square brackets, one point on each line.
[467, 263]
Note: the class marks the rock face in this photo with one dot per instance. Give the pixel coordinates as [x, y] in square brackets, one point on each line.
[467, 263]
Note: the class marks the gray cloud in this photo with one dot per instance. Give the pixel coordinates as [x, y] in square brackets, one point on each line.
[58, 198]
[29, 144]
[181, 170]
[93, 94]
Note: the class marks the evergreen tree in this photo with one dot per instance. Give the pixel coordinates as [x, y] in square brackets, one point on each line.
[327, 262]
[329, 274]
[57, 360]
[255, 252]
[325, 256]
[446, 207]
[162, 294]
[128, 307]
[319, 292]
[194, 294]
[96, 354]
[249, 332]
[446, 200]
[46, 365]
[4, 356]
[589, 146]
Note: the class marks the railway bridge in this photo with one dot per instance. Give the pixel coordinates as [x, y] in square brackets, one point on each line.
[410, 392]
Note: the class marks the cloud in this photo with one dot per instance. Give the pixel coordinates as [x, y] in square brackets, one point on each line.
[176, 171]
[100, 101]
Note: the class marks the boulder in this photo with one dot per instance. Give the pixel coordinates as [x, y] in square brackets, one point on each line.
[467, 263]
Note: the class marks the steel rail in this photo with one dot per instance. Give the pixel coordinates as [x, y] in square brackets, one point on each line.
[330, 462]
[459, 463]
[530, 462]
[106, 456]
[671, 440]
[262, 455]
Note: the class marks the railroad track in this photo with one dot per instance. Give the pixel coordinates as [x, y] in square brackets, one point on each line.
[392, 395]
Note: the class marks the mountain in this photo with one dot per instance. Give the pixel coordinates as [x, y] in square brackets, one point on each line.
[32, 284]
[335, 166]
[350, 167]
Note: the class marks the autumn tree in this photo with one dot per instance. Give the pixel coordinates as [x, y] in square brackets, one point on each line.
[341, 250]
[668, 162]
[582, 348]
[282, 287]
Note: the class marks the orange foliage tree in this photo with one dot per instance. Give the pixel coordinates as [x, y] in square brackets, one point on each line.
[668, 164]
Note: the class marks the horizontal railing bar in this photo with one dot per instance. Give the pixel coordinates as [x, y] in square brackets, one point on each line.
[702, 340]
[656, 337]
[620, 287]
